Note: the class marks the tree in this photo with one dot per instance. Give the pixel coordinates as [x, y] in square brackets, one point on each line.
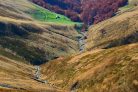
[88, 11]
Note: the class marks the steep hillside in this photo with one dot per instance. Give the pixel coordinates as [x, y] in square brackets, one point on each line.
[88, 11]
[24, 32]
[111, 70]
[119, 30]
[16, 76]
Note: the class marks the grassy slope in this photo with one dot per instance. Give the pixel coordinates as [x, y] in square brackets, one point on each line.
[119, 30]
[18, 76]
[111, 70]
[36, 41]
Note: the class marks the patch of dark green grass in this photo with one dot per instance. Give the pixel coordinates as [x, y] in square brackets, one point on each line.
[31, 54]
[133, 38]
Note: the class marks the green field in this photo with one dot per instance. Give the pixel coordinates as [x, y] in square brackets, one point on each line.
[45, 15]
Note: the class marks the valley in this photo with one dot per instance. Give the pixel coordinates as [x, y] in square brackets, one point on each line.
[68, 46]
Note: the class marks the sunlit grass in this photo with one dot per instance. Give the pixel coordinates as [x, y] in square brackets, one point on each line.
[45, 15]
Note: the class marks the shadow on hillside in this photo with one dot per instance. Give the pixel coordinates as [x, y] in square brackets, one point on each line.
[9, 29]
[133, 38]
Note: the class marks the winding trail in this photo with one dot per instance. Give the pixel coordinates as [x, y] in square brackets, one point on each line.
[37, 75]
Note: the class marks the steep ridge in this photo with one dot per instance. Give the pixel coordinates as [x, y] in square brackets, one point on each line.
[119, 30]
[96, 71]
[31, 38]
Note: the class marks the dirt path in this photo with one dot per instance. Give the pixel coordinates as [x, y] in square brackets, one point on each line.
[37, 77]
[81, 41]
[37, 72]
